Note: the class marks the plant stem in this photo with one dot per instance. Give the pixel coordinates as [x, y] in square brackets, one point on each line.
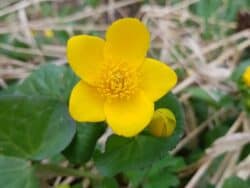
[48, 169]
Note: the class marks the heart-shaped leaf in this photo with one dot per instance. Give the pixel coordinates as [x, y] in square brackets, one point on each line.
[49, 80]
[33, 127]
[16, 173]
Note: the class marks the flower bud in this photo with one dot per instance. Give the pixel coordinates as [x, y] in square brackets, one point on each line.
[163, 123]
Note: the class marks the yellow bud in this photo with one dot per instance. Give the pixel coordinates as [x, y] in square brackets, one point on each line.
[48, 33]
[246, 76]
[163, 123]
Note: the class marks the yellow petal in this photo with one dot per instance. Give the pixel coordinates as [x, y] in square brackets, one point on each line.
[85, 104]
[129, 117]
[156, 79]
[246, 76]
[85, 55]
[163, 123]
[127, 40]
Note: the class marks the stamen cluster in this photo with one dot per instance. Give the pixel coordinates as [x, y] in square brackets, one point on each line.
[117, 80]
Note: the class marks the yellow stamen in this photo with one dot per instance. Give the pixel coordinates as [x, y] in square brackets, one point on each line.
[117, 80]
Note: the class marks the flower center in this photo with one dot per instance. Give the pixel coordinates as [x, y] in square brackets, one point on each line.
[117, 80]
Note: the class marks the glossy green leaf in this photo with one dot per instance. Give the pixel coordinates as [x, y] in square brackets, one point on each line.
[83, 144]
[93, 3]
[162, 180]
[127, 153]
[234, 181]
[206, 8]
[200, 108]
[211, 135]
[162, 173]
[106, 182]
[34, 117]
[34, 127]
[169, 163]
[201, 94]
[49, 80]
[16, 173]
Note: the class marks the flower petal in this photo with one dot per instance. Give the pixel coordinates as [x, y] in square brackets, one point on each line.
[129, 117]
[246, 76]
[85, 55]
[85, 104]
[157, 79]
[128, 40]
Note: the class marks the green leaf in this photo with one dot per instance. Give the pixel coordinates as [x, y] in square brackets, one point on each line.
[83, 144]
[232, 7]
[93, 3]
[127, 153]
[201, 94]
[106, 183]
[34, 127]
[78, 185]
[16, 173]
[170, 163]
[49, 80]
[235, 181]
[136, 176]
[160, 174]
[200, 108]
[13, 53]
[46, 9]
[207, 9]
[211, 135]
[162, 180]
[35, 123]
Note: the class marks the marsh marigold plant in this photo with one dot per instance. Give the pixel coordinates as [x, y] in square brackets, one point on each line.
[119, 84]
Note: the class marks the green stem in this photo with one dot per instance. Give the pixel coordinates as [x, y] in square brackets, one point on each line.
[63, 171]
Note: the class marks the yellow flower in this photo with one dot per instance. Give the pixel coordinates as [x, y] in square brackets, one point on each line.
[246, 76]
[118, 84]
[48, 33]
[163, 123]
